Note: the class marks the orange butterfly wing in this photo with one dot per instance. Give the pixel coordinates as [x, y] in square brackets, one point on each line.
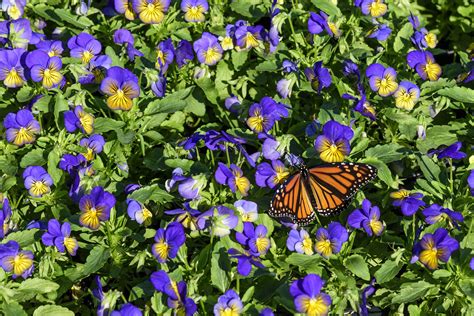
[325, 189]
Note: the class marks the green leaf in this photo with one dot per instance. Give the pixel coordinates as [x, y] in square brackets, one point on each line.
[357, 265]
[60, 105]
[81, 22]
[220, 265]
[55, 310]
[383, 172]
[176, 121]
[239, 58]
[209, 88]
[268, 65]
[430, 170]
[404, 33]
[386, 153]
[411, 292]
[462, 94]
[387, 271]
[23, 237]
[33, 158]
[327, 6]
[96, 260]
[105, 124]
[29, 288]
[171, 103]
[305, 262]
[24, 94]
[13, 308]
[151, 193]
[467, 286]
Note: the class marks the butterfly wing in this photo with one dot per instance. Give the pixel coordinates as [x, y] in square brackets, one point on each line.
[333, 186]
[292, 201]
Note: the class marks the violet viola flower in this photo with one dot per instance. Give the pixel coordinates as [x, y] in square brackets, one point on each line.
[95, 207]
[11, 69]
[368, 218]
[366, 292]
[51, 47]
[248, 210]
[127, 310]
[125, 7]
[409, 202]
[79, 119]
[247, 36]
[374, 8]
[270, 149]
[12, 259]
[471, 263]
[187, 216]
[97, 69]
[254, 238]
[138, 212]
[263, 115]
[44, 69]
[267, 311]
[123, 36]
[284, 87]
[59, 235]
[219, 220]
[183, 53]
[424, 64]
[176, 292]
[300, 241]
[433, 248]
[76, 166]
[21, 127]
[93, 144]
[14, 8]
[289, 66]
[273, 35]
[121, 86]
[381, 32]
[319, 22]
[228, 303]
[159, 85]
[329, 241]
[165, 55]
[406, 95]
[168, 241]
[5, 215]
[37, 181]
[318, 76]
[188, 188]
[245, 260]
[232, 103]
[271, 175]
[233, 177]
[350, 68]
[208, 50]
[84, 46]
[334, 144]
[194, 10]
[308, 297]
[382, 80]
[17, 33]
[452, 151]
[151, 11]
[362, 105]
[470, 182]
[436, 213]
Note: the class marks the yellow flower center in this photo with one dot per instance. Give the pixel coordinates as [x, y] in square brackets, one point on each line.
[229, 311]
[51, 77]
[256, 123]
[194, 14]
[21, 263]
[331, 152]
[87, 122]
[315, 306]
[307, 245]
[430, 255]
[119, 101]
[431, 40]
[227, 43]
[386, 85]
[432, 70]
[262, 243]
[162, 249]
[39, 188]
[13, 79]
[14, 12]
[377, 8]
[376, 226]
[151, 12]
[242, 184]
[212, 55]
[405, 100]
[70, 243]
[324, 247]
[400, 194]
[91, 217]
[334, 29]
[86, 56]
[24, 136]
[281, 174]
[250, 40]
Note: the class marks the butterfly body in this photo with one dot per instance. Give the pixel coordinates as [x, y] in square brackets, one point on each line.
[324, 190]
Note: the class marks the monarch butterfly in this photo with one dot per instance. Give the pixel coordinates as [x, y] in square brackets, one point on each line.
[325, 189]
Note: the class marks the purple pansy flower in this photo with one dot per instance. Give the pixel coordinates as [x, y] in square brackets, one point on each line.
[368, 218]
[248, 210]
[382, 80]
[318, 76]
[59, 235]
[168, 241]
[329, 241]
[233, 177]
[409, 202]
[79, 119]
[334, 144]
[95, 207]
[84, 46]
[11, 68]
[270, 175]
[433, 248]
[121, 87]
[270, 149]
[435, 213]
[232, 103]
[470, 181]
[138, 212]
[362, 105]
[176, 292]
[248, 36]
[188, 187]
[319, 22]
[164, 55]
[254, 238]
[37, 181]
[300, 241]
[289, 66]
[245, 260]
[183, 53]
[93, 144]
[124, 7]
[159, 85]
[208, 50]
[424, 64]
[406, 95]
[123, 36]
[97, 69]
[350, 68]
[21, 127]
[366, 292]
[219, 220]
[14, 8]
[19, 262]
[127, 310]
[44, 69]
[228, 303]
[284, 87]
[5, 215]
[308, 297]
[452, 151]
[194, 10]
[374, 8]
[17, 33]
[151, 11]
[187, 216]
[263, 115]
[381, 32]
